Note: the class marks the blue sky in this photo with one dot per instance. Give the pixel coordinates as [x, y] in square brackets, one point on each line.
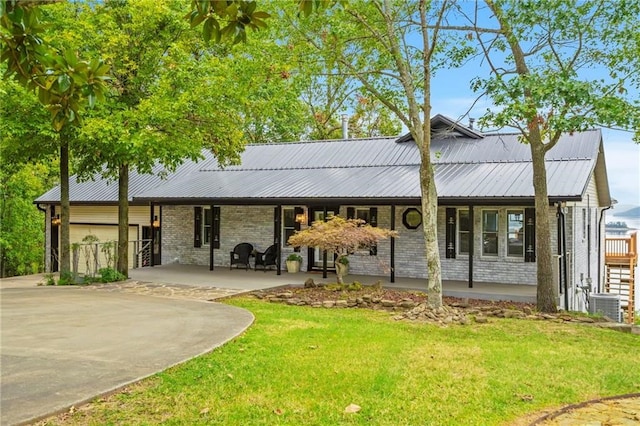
[451, 96]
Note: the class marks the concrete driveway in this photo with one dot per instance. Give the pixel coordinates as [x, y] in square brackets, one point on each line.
[65, 345]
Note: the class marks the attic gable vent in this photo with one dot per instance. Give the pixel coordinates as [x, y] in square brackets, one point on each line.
[443, 127]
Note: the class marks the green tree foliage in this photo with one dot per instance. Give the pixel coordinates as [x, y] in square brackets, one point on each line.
[64, 82]
[392, 49]
[558, 67]
[21, 224]
[28, 167]
[327, 87]
[170, 94]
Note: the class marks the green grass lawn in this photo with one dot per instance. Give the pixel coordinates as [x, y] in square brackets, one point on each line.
[300, 365]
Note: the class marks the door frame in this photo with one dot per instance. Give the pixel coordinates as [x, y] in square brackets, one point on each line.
[315, 264]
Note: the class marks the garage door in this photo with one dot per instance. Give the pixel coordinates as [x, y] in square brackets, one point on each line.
[92, 257]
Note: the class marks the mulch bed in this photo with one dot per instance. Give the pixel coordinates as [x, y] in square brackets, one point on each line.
[412, 305]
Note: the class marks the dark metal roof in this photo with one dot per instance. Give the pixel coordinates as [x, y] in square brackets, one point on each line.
[490, 167]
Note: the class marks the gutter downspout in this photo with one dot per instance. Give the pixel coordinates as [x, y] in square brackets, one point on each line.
[600, 245]
[564, 258]
[562, 255]
[588, 238]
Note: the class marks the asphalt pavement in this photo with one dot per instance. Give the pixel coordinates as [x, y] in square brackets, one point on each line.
[61, 346]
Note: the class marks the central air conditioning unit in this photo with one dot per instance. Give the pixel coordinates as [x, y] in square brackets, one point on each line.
[605, 304]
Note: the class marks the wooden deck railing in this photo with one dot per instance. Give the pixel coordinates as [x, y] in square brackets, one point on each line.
[622, 248]
[621, 258]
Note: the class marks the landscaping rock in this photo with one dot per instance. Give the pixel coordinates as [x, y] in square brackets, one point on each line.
[285, 295]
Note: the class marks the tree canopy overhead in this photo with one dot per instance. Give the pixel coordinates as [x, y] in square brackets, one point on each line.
[556, 67]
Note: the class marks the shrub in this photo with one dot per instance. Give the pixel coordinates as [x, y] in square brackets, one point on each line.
[66, 278]
[294, 257]
[109, 275]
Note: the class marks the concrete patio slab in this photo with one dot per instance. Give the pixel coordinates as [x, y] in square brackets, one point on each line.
[242, 280]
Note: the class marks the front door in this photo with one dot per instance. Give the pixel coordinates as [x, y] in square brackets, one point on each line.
[322, 213]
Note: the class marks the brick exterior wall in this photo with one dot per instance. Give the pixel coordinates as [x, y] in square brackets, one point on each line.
[254, 224]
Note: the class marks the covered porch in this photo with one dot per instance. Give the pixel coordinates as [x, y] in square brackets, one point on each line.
[240, 279]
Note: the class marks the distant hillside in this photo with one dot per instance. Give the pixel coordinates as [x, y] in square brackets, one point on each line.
[634, 212]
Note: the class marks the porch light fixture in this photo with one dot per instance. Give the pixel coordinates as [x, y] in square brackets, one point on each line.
[301, 218]
[55, 221]
[156, 222]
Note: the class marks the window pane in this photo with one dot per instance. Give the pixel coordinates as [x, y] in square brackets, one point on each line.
[463, 220]
[287, 234]
[363, 214]
[490, 232]
[515, 233]
[288, 218]
[463, 231]
[463, 243]
[490, 221]
[206, 227]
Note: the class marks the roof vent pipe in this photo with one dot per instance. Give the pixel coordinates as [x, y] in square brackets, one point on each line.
[471, 121]
[345, 126]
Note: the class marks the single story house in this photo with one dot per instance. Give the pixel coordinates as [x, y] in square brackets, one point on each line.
[486, 219]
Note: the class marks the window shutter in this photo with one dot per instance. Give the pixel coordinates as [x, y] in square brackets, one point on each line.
[373, 221]
[351, 212]
[450, 236]
[197, 226]
[276, 225]
[530, 235]
[216, 227]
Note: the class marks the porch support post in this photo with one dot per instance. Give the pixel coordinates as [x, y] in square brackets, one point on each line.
[324, 253]
[211, 233]
[471, 238]
[152, 209]
[392, 242]
[277, 229]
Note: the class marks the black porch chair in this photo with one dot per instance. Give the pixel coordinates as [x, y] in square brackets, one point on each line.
[240, 255]
[266, 258]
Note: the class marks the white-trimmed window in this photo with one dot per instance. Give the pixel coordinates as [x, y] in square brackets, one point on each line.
[207, 222]
[489, 232]
[204, 221]
[464, 227]
[515, 233]
[288, 224]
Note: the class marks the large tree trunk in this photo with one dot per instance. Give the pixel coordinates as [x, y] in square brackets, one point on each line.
[429, 202]
[123, 220]
[546, 298]
[430, 231]
[65, 244]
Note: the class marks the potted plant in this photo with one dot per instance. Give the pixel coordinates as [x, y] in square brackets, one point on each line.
[294, 260]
